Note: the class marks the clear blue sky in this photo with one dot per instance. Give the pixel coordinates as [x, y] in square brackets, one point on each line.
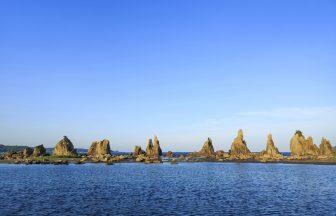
[184, 70]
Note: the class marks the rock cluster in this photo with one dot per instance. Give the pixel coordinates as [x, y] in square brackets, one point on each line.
[137, 151]
[27, 152]
[271, 151]
[207, 149]
[100, 148]
[239, 148]
[153, 152]
[39, 151]
[326, 148]
[300, 146]
[65, 148]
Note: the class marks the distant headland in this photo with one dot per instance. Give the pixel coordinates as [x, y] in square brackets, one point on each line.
[303, 150]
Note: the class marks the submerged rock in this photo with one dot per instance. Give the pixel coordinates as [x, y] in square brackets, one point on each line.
[39, 151]
[137, 151]
[207, 149]
[27, 152]
[326, 148]
[239, 148]
[100, 148]
[65, 148]
[271, 151]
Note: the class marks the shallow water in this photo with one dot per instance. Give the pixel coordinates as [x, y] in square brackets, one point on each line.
[157, 189]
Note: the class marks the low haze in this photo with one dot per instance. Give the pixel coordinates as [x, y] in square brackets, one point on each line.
[182, 70]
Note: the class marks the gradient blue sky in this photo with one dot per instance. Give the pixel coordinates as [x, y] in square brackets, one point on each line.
[184, 70]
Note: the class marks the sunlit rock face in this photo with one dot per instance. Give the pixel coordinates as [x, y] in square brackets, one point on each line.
[65, 148]
[326, 148]
[137, 151]
[207, 149]
[39, 151]
[300, 146]
[156, 147]
[239, 148]
[271, 152]
[149, 148]
[100, 148]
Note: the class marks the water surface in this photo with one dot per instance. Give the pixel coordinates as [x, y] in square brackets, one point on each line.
[165, 189]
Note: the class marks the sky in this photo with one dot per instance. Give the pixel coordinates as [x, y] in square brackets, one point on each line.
[183, 70]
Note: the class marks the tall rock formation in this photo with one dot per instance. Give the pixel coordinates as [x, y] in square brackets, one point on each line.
[137, 151]
[39, 151]
[156, 148]
[207, 149]
[149, 148]
[271, 151]
[65, 148]
[300, 146]
[326, 148]
[239, 148]
[100, 148]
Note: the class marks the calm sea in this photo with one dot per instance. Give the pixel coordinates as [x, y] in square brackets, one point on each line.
[165, 189]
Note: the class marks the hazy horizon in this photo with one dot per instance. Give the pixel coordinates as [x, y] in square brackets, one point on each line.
[181, 70]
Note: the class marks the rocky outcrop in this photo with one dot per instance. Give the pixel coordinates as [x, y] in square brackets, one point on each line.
[100, 148]
[271, 151]
[149, 148]
[27, 152]
[326, 148]
[65, 148]
[169, 154]
[239, 148]
[137, 151]
[207, 149]
[300, 146]
[156, 147]
[39, 151]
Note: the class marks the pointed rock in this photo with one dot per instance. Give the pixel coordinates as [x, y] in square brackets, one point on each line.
[310, 149]
[207, 149]
[149, 148]
[156, 148]
[39, 151]
[326, 148]
[100, 148]
[271, 151]
[239, 148]
[300, 146]
[137, 151]
[65, 148]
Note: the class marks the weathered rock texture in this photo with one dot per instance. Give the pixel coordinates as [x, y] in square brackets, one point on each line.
[271, 151]
[300, 146]
[100, 148]
[65, 148]
[326, 148]
[27, 152]
[207, 149]
[137, 151]
[39, 151]
[149, 148]
[156, 148]
[239, 148]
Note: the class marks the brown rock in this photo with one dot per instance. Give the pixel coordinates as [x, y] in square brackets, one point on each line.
[271, 151]
[207, 149]
[137, 151]
[100, 148]
[65, 148]
[326, 148]
[149, 148]
[310, 148]
[169, 154]
[27, 152]
[239, 148]
[39, 151]
[300, 146]
[156, 148]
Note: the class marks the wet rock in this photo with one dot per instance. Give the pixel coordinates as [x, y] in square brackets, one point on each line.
[239, 148]
[65, 148]
[27, 152]
[100, 148]
[326, 148]
[39, 151]
[137, 151]
[271, 151]
[207, 149]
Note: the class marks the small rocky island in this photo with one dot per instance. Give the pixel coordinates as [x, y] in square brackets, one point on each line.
[303, 150]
